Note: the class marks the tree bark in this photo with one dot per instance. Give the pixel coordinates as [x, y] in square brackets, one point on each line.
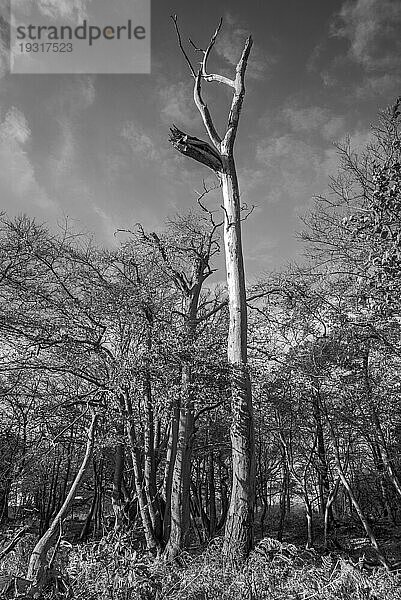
[323, 470]
[152, 543]
[179, 503]
[149, 440]
[239, 526]
[117, 497]
[169, 468]
[328, 513]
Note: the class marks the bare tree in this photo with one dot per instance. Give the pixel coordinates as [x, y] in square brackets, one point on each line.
[220, 158]
[185, 255]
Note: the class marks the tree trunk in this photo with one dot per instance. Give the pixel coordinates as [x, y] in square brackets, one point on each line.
[220, 158]
[149, 443]
[212, 495]
[179, 505]
[239, 527]
[37, 562]
[117, 497]
[328, 512]
[378, 458]
[168, 472]
[322, 469]
[283, 499]
[151, 541]
[355, 504]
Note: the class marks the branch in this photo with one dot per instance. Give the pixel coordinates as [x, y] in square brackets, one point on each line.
[197, 149]
[212, 312]
[238, 97]
[206, 409]
[204, 112]
[214, 76]
[14, 541]
[175, 21]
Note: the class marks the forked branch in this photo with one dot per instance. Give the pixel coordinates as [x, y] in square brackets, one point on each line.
[181, 141]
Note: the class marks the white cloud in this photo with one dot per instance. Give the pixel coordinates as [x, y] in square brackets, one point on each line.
[178, 105]
[374, 86]
[75, 94]
[108, 224]
[373, 29]
[70, 10]
[17, 176]
[140, 143]
[314, 119]
[230, 44]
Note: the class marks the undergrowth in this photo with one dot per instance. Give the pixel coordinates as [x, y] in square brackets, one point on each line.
[274, 571]
[111, 570]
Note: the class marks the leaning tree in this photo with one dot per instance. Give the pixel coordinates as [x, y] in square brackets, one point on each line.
[219, 156]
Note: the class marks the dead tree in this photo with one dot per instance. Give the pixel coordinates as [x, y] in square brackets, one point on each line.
[219, 156]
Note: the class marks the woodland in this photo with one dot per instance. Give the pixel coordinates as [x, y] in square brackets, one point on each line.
[166, 436]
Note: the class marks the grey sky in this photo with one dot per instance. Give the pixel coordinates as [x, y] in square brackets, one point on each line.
[96, 148]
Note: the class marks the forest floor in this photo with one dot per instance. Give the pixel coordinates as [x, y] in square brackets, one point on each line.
[112, 569]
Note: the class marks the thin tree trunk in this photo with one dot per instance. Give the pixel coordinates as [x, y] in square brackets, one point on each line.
[11, 545]
[355, 504]
[149, 440]
[87, 523]
[388, 463]
[283, 499]
[117, 497]
[328, 513]
[37, 562]
[378, 458]
[168, 473]
[151, 542]
[323, 470]
[212, 495]
[179, 527]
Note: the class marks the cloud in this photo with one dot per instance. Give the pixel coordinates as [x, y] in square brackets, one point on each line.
[373, 29]
[68, 10]
[146, 149]
[177, 105]
[17, 177]
[63, 161]
[75, 94]
[374, 86]
[314, 119]
[230, 44]
[107, 222]
[308, 122]
[140, 143]
[298, 168]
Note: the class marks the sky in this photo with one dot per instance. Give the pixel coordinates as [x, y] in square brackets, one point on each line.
[95, 149]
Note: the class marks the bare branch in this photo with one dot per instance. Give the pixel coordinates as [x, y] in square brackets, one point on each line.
[175, 21]
[197, 149]
[214, 76]
[238, 97]
[204, 112]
